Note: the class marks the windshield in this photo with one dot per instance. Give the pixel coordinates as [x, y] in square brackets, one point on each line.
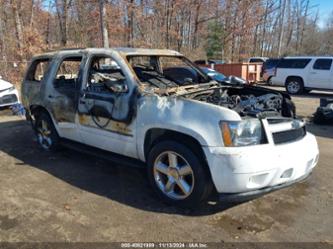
[166, 71]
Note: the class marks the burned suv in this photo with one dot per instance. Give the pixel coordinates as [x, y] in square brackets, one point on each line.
[195, 136]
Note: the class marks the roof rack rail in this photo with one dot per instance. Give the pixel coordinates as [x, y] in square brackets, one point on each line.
[64, 49]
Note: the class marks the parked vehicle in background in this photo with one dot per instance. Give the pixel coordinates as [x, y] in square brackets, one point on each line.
[8, 94]
[194, 136]
[209, 62]
[268, 70]
[221, 78]
[257, 59]
[304, 73]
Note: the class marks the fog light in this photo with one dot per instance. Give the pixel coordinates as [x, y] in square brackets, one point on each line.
[287, 173]
[258, 179]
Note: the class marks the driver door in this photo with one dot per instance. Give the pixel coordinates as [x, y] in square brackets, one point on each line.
[106, 117]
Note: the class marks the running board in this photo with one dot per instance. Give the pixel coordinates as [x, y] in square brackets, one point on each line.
[106, 155]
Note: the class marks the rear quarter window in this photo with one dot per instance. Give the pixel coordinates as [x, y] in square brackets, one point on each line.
[322, 64]
[293, 63]
[37, 70]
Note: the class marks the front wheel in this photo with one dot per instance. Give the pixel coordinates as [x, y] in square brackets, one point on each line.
[177, 175]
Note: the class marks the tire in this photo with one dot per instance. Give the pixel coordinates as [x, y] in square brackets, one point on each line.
[294, 86]
[47, 136]
[177, 175]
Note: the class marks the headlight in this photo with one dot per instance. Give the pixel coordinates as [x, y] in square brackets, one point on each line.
[242, 133]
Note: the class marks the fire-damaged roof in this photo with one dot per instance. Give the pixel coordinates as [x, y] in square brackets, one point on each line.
[122, 50]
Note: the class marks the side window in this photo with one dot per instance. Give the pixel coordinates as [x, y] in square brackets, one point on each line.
[293, 63]
[105, 76]
[322, 64]
[37, 70]
[68, 73]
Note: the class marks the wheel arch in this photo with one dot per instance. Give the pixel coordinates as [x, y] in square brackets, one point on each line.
[36, 110]
[156, 135]
[293, 77]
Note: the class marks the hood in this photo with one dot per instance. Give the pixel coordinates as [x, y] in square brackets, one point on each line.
[5, 85]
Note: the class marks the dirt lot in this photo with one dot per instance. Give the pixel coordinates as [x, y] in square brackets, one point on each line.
[69, 196]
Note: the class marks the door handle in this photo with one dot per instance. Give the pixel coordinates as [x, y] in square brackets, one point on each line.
[313, 72]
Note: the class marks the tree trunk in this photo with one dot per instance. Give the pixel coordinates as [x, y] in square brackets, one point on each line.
[304, 24]
[32, 13]
[281, 28]
[196, 25]
[18, 26]
[103, 24]
[62, 12]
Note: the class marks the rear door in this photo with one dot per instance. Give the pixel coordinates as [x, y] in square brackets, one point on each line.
[62, 93]
[320, 74]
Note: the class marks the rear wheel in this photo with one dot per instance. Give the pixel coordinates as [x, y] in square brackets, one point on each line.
[294, 86]
[47, 136]
[177, 175]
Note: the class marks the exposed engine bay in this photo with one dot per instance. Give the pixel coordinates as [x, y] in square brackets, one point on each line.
[249, 101]
[178, 76]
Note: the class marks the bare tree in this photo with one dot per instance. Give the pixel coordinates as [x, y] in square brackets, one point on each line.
[104, 30]
[281, 32]
[18, 25]
[62, 7]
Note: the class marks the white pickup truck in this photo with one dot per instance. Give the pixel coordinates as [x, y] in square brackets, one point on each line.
[195, 136]
[303, 74]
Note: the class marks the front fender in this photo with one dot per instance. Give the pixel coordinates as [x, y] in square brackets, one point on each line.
[193, 118]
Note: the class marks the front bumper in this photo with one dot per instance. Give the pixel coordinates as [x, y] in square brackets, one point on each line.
[245, 196]
[8, 98]
[261, 168]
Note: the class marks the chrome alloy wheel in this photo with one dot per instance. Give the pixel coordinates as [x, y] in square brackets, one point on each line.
[173, 175]
[44, 135]
[293, 86]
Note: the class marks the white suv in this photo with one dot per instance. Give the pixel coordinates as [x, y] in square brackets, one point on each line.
[303, 74]
[194, 136]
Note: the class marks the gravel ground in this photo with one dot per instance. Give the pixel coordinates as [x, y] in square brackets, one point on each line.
[70, 196]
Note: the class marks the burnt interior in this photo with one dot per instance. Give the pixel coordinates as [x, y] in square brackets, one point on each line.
[248, 101]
